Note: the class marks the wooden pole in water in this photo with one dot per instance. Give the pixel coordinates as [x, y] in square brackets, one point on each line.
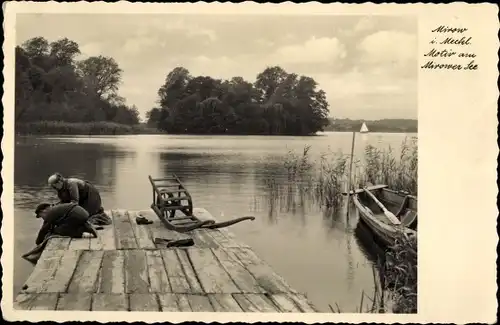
[350, 171]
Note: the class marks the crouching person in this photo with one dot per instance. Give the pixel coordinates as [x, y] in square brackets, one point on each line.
[65, 219]
[82, 192]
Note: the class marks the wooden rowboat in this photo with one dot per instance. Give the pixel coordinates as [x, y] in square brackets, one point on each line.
[402, 205]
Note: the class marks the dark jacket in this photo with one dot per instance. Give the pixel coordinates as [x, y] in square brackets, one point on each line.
[66, 219]
[73, 190]
[81, 192]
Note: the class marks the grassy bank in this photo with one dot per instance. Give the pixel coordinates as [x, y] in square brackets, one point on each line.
[88, 128]
[325, 179]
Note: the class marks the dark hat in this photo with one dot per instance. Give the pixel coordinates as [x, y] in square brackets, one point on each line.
[40, 208]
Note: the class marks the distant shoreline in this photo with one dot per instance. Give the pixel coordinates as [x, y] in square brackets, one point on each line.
[382, 126]
[373, 131]
[109, 128]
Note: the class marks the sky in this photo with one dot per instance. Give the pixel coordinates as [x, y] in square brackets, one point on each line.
[367, 65]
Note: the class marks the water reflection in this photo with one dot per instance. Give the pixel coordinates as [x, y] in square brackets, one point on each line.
[35, 160]
[314, 248]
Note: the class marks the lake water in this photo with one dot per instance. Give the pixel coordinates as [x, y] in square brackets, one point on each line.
[226, 175]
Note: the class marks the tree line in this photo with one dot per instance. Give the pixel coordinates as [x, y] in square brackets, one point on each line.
[52, 85]
[278, 102]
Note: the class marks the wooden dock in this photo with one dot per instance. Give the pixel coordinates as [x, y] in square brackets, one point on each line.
[124, 270]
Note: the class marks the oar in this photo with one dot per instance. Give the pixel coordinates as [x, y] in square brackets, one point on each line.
[387, 213]
[361, 190]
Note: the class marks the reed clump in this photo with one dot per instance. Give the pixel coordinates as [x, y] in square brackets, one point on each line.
[320, 180]
[397, 170]
[83, 128]
[325, 179]
[330, 179]
[401, 275]
[298, 166]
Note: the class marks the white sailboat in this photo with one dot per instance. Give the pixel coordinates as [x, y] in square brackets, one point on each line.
[364, 128]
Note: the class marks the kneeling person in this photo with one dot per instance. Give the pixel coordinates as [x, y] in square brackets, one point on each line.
[65, 219]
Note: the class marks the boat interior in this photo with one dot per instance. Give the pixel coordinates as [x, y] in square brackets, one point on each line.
[404, 207]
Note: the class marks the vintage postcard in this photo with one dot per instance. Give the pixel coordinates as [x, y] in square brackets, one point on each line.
[250, 162]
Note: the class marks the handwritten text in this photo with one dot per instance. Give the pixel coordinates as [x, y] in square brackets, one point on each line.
[451, 50]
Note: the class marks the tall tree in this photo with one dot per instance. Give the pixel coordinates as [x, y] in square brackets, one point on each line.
[268, 80]
[64, 51]
[174, 87]
[102, 75]
[36, 47]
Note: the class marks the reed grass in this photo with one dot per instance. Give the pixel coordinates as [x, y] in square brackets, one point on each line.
[298, 166]
[326, 178]
[398, 172]
[401, 274]
[90, 128]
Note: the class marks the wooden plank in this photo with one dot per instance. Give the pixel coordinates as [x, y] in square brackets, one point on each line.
[158, 230]
[112, 273]
[189, 272]
[202, 239]
[222, 240]
[95, 244]
[232, 238]
[244, 303]
[245, 255]
[44, 270]
[200, 303]
[158, 277]
[36, 301]
[183, 303]
[23, 301]
[136, 272]
[265, 276]
[125, 238]
[244, 280]
[79, 244]
[57, 243]
[106, 239]
[74, 301]
[143, 302]
[251, 302]
[284, 303]
[65, 270]
[168, 302]
[301, 301]
[86, 273]
[213, 277]
[268, 279]
[141, 233]
[224, 303]
[109, 302]
[176, 275]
